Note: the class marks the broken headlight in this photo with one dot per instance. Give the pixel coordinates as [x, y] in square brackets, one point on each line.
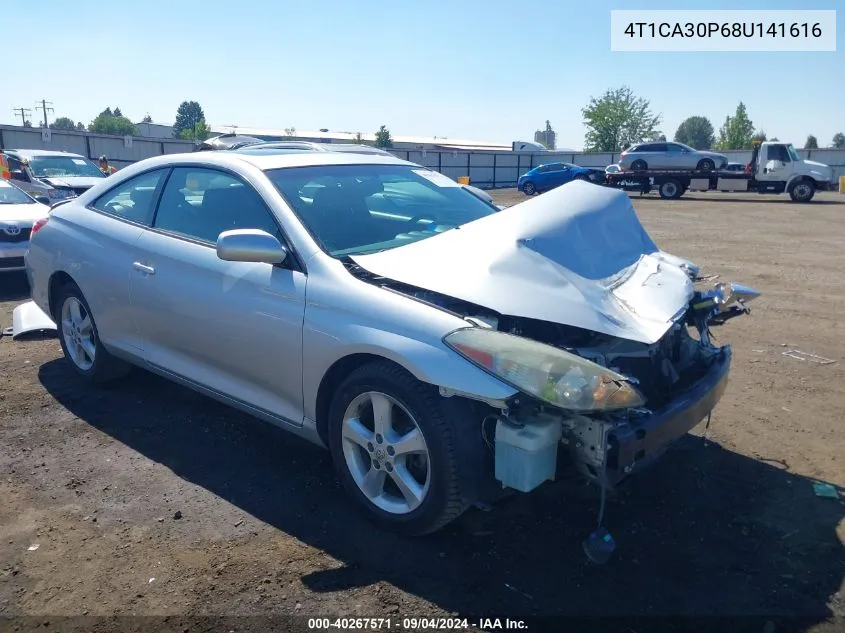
[545, 372]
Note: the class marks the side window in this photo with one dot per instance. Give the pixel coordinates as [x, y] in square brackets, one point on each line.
[778, 152]
[134, 199]
[675, 149]
[641, 148]
[658, 147]
[201, 203]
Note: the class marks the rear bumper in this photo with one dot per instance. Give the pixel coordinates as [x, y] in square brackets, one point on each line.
[639, 443]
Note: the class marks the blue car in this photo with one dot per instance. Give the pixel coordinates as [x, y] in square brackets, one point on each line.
[551, 175]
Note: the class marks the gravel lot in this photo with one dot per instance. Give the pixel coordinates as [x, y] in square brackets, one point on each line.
[146, 498]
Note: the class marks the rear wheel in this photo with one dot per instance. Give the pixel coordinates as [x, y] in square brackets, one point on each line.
[528, 189]
[397, 449]
[639, 165]
[706, 164]
[802, 191]
[80, 340]
[671, 189]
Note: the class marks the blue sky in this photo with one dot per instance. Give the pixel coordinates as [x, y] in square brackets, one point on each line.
[487, 70]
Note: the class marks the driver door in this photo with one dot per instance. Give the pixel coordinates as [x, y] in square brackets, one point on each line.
[234, 328]
[777, 165]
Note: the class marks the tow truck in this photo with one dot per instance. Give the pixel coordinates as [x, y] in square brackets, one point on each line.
[774, 168]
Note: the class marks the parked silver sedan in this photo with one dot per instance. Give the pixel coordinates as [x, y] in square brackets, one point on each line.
[670, 156]
[441, 348]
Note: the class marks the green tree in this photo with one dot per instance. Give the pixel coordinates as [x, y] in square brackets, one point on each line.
[107, 123]
[358, 139]
[147, 118]
[697, 132]
[838, 140]
[117, 112]
[80, 126]
[199, 132]
[760, 137]
[63, 123]
[188, 115]
[616, 118]
[27, 123]
[811, 143]
[383, 138]
[737, 131]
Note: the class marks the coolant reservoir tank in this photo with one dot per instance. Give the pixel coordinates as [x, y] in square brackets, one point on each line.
[526, 456]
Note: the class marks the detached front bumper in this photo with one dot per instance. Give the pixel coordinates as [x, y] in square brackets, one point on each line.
[634, 446]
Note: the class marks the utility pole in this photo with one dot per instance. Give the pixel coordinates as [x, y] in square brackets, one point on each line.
[22, 113]
[45, 108]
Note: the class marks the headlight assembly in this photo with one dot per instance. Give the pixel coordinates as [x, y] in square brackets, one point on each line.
[545, 372]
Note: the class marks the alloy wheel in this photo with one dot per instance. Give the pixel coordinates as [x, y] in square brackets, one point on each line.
[386, 453]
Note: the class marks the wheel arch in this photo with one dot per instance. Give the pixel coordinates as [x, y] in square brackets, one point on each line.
[57, 281]
[459, 378]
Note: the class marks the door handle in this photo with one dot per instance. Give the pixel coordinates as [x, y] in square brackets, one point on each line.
[147, 270]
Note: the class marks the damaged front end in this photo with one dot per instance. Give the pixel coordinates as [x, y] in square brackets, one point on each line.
[614, 404]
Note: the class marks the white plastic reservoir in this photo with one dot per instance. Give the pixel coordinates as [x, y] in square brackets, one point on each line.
[527, 456]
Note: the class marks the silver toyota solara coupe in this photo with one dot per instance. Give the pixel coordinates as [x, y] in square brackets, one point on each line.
[444, 350]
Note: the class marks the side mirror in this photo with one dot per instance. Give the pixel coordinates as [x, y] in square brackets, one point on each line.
[43, 199]
[18, 174]
[250, 245]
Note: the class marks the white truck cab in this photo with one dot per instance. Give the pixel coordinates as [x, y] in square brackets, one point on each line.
[778, 167]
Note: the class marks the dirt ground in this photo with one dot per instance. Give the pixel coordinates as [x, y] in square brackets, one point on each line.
[147, 499]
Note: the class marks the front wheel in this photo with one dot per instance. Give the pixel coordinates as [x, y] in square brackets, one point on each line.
[529, 189]
[802, 191]
[397, 449]
[706, 165]
[639, 165]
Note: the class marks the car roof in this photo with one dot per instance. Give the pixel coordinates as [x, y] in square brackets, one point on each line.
[278, 159]
[32, 153]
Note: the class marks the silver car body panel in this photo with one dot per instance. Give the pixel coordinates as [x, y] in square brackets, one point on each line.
[28, 318]
[255, 336]
[576, 255]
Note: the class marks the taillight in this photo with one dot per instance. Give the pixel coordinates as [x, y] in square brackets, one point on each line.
[748, 168]
[39, 224]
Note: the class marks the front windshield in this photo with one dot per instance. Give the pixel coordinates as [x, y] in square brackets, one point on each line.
[63, 166]
[793, 154]
[9, 194]
[357, 209]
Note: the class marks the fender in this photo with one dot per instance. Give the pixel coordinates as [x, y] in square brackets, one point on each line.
[428, 361]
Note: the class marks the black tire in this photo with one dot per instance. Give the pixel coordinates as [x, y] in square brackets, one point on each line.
[448, 433]
[105, 366]
[802, 191]
[706, 164]
[529, 189]
[670, 189]
[639, 165]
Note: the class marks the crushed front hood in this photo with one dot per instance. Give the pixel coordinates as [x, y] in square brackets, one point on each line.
[576, 255]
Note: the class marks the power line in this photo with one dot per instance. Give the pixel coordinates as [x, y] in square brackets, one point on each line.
[22, 113]
[44, 108]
